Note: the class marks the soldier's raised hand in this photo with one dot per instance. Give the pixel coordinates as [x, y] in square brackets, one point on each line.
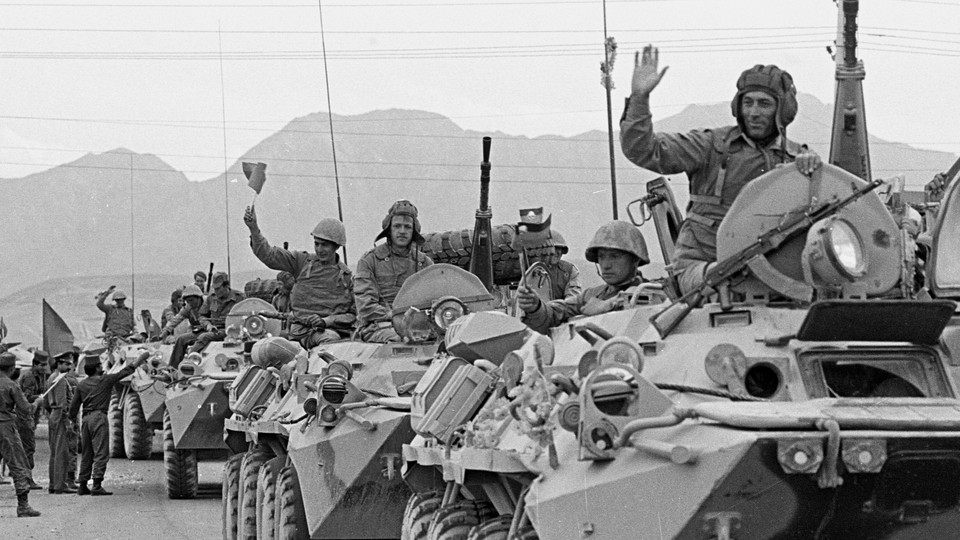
[250, 219]
[646, 71]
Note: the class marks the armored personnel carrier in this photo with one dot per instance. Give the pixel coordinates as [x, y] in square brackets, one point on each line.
[197, 397]
[136, 405]
[815, 398]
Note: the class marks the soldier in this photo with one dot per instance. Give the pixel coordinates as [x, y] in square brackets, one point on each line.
[176, 303]
[564, 275]
[94, 394]
[13, 404]
[33, 383]
[619, 250]
[118, 318]
[382, 270]
[321, 299]
[718, 162]
[192, 301]
[60, 424]
[213, 313]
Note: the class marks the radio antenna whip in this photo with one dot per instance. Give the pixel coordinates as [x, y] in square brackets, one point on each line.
[333, 146]
[226, 183]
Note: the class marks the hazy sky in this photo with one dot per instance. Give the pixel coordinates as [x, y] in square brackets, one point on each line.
[90, 76]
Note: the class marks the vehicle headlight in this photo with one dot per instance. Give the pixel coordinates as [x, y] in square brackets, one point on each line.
[835, 251]
[621, 350]
[255, 326]
[446, 310]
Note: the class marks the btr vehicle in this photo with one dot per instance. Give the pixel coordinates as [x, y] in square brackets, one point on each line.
[197, 397]
[811, 393]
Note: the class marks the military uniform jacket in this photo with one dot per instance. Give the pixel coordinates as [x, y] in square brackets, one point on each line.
[320, 289]
[380, 273]
[564, 279]
[186, 314]
[94, 392]
[12, 401]
[60, 395]
[215, 310]
[556, 312]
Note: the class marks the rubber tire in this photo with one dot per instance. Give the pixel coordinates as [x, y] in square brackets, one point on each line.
[266, 498]
[247, 493]
[229, 482]
[115, 425]
[453, 522]
[137, 434]
[418, 513]
[492, 529]
[456, 248]
[180, 466]
[291, 520]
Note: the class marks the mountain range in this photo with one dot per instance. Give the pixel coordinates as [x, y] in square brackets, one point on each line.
[130, 219]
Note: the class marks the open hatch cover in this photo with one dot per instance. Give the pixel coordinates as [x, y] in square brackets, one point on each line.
[914, 321]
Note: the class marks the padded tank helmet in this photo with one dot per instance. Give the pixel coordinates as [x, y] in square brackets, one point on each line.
[619, 235]
[402, 207]
[332, 230]
[559, 242]
[191, 290]
[774, 81]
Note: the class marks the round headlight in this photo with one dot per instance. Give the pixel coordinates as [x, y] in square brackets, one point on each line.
[448, 310]
[846, 249]
[834, 252]
[255, 326]
[621, 350]
[333, 389]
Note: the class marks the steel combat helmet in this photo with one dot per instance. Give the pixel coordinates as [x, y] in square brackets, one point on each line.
[774, 81]
[119, 295]
[619, 235]
[191, 290]
[402, 207]
[331, 230]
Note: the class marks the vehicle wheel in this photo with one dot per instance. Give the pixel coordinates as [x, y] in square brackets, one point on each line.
[266, 498]
[115, 426]
[229, 483]
[417, 515]
[180, 466]
[247, 493]
[137, 434]
[492, 529]
[291, 521]
[456, 247]
[455, 521]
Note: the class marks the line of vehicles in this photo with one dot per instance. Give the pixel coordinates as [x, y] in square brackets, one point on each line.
[817, 397]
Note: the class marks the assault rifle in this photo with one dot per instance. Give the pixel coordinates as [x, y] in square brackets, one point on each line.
[769, 241]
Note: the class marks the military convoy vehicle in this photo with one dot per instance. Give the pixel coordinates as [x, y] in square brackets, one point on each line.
[136, 405]
[815, 397]
[197, 397]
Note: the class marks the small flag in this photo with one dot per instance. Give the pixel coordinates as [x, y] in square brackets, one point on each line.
[256, 174]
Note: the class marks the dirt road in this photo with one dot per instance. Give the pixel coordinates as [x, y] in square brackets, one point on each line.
[138, 509]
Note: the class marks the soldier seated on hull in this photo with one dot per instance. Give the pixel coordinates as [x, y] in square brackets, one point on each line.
[190, 311]
[719, 162]
[321, 300]
[382, 271]
[618, 249]
[213, 313]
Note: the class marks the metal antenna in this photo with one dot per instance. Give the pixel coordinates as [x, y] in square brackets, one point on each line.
[133, 273]
[609, 54]
[333, 146]
[226, 183]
